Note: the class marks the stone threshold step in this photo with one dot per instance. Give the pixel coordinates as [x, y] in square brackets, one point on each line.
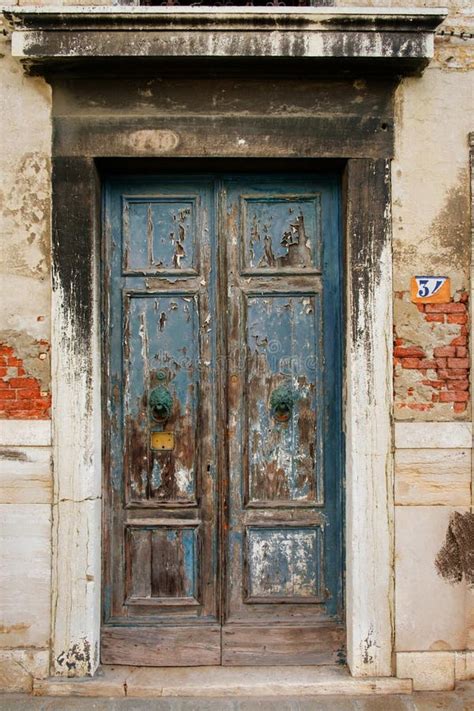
[220, 681]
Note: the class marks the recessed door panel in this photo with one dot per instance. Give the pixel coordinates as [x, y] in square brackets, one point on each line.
[162, 565]
[160, 234]
[161, 333]
[284, 564]
[283, 382]
[280, 232]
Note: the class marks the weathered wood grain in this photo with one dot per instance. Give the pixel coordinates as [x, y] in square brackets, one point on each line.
[284, 568]
[268, 645]
[165, 569]
[160, 535]
[161, 646]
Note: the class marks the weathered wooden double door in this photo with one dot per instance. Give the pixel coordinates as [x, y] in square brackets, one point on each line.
[222, 343]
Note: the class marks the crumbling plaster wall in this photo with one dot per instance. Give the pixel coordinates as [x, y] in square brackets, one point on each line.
[434, 617]
[25, 466]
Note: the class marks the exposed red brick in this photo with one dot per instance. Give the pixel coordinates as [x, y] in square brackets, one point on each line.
[421, 407]
[450, 362]
[434, 383]
[460, 373]
[458, 384]
[412, 363]
[445, 352]
[454, 396]
[439, 318]
[451, 308]
[426, 363]
[20, 395]
[23, 383]
[411, 351]
[12, 361]
[458, 363]
[27, 394]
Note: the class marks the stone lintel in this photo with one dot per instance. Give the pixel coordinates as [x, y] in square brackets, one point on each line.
[400, 39]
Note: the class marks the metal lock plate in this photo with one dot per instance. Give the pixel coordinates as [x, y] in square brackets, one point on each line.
[162, 441]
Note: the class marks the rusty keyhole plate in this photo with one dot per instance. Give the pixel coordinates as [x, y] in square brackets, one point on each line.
[162, 441]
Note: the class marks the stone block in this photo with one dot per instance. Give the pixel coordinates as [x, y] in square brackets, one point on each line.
[25, 433]
[77, 586]
[19, 668]
[433, 435]
[426, 477]
[464, 665]
[429, 610]
[25, 575]
[430, 671]
[25, 475]
[469, 616]
[227, 682]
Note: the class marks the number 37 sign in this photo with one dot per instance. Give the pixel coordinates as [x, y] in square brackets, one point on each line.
[430, 289]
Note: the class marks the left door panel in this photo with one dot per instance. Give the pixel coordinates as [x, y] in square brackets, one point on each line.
[160, 554]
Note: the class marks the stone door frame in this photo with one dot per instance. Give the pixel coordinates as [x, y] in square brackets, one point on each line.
[76, 346]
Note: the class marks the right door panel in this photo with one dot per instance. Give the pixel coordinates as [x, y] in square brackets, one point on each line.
[283, 502]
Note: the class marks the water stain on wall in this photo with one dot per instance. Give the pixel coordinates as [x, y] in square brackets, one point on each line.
[445, 248]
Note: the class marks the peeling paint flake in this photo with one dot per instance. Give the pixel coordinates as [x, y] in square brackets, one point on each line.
[282, 232]
[284, 563]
